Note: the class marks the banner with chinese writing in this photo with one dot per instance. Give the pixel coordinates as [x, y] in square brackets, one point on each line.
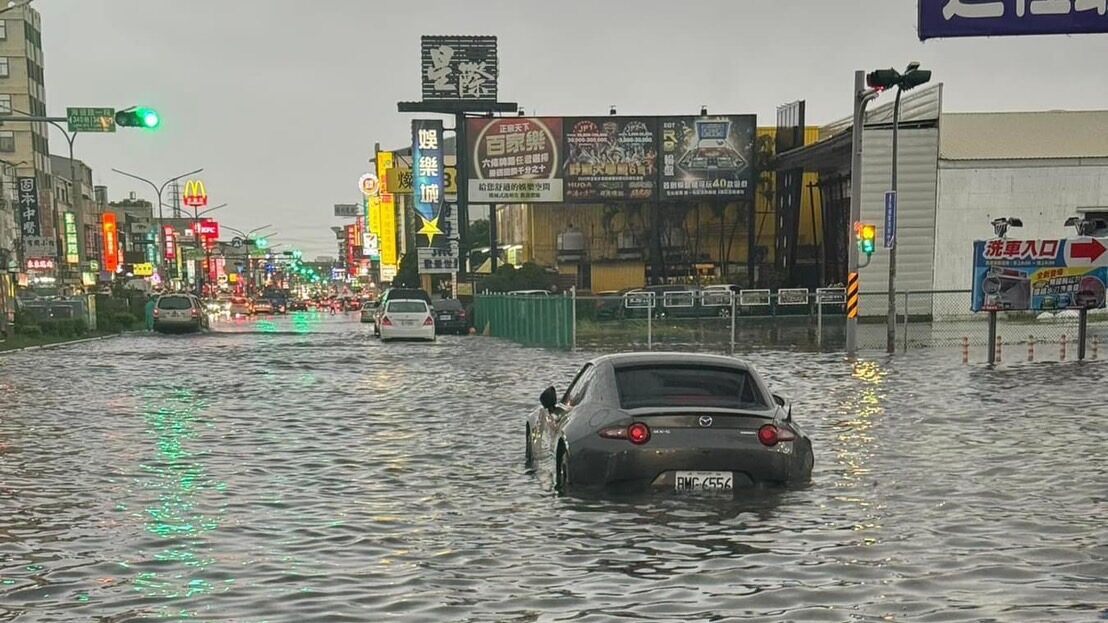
[110, 247]
[709, 156]
[610, 158]
[458, 68]
[428, 191]
[1036, 275]
[72, 250]
[386, 232]
[444, 258]
[993, 18]
[28, 207]
[515, 160]
[170, 242]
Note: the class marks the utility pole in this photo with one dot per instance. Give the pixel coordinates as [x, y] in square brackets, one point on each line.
[862, 97]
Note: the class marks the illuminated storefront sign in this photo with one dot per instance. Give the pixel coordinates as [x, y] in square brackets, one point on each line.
[170, 242]
[72, 252]
[110, 233]
[40, 263]
[427, 176]
[195, 196]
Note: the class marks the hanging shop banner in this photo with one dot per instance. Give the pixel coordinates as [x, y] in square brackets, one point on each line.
[39, 246]
[386, 225]
[399, 179]
[170, 242]
[72, 250]
[997, 18]
[110, 246]
[142, 270]
[351, 243]
[427, 183]
[709, 156]
[459, 68]
[610, 158]
[515, 159]
[443, 258]
[28, 206]
[1037, 275]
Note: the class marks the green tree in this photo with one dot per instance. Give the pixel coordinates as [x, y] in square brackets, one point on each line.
[407, 274]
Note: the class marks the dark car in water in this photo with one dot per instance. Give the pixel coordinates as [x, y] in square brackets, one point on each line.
[678, 422]
[450, 317]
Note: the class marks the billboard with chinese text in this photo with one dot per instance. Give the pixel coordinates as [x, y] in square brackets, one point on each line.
[428, 190]
[1038, 275]
[610, 158]
[458, 68]
[29, 224]
[992, 18]
[443, 258]
[515, 160]
[710, 156]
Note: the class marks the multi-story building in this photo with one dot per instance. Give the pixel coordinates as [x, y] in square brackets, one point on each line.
[76, 179]
[22, 92]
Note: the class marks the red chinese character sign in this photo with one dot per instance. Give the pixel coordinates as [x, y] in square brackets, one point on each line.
[170, 242]
[1036, 275]
[515, 159]
[110, 232]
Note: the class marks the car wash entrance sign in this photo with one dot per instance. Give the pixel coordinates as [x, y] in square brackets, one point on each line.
[997, 18]
[1039, 275]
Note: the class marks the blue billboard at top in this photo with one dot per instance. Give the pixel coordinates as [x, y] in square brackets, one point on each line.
[997, 18]
[1037, 275]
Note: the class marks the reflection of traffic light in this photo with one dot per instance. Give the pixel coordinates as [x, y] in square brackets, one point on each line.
[867, 237]
[138, 118]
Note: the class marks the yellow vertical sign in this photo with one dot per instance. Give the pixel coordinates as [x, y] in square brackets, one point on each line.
[387, 211]
[373, 215]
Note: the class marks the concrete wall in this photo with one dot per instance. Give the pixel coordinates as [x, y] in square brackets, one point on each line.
[1043, 193]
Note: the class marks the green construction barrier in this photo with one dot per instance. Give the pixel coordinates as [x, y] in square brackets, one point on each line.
[529, 320]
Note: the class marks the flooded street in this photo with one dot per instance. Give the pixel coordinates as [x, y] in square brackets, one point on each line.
[295, 469]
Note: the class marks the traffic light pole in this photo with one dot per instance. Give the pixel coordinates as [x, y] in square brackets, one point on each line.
[890, 322]
[862, 96]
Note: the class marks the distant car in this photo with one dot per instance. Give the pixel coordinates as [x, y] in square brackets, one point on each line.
[450, 317]
[368, 314]
[397, 294]
[280, 305]
[406, 319]
[179, 313]
[678, 422]
[239, 307]
[262, 306]
[298, 305]
[351, 304]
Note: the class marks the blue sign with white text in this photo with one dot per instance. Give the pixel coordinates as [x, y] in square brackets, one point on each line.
[997, 18]
[1022, 275]
[428, 189]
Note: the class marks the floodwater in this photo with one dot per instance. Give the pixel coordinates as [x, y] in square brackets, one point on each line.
[294, 469]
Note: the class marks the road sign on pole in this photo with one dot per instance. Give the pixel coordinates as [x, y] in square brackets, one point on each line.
[890, 219]
[90, 119]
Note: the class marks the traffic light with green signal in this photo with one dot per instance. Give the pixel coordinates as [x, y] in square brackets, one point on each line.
[138, 118]
[867, 237]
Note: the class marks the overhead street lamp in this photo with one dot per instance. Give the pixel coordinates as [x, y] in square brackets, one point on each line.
[881, 80]
[161, 219]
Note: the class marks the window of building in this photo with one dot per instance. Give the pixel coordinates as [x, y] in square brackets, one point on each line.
[3, 29]
[3, 67]
[7, 141]
[5, 104]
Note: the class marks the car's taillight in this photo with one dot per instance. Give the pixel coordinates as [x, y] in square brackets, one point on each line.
[637, 433]
[156, 312]
[428, 321]
[462, 314]
[385, 322]
[195, 313]
[770, 435]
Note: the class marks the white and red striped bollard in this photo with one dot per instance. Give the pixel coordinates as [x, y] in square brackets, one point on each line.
[1031, 348]
[1062, 354]
[965, 349]
[999, 349]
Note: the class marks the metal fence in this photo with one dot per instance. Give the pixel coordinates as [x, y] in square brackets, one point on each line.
[793, 319]
[530, 320]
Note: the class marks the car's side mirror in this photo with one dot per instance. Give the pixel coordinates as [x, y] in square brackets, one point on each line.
[549, 398]
[783, 403]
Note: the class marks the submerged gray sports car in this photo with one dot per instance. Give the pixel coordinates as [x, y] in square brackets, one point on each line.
[680, 422]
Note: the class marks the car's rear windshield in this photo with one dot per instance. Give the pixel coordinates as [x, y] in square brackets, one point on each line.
[448, 305]
[687, 386]
[174, 302]
[407, 307]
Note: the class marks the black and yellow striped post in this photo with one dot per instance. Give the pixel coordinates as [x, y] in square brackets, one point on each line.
[852, 296]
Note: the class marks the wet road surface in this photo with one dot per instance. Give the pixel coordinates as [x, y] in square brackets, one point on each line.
[294, 469]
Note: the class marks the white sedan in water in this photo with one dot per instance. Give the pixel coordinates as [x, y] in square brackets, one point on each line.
[407, 319]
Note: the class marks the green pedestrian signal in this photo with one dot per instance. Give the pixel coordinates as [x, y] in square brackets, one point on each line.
[138, 118]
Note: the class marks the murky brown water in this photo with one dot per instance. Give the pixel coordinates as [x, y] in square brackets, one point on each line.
[295, 470]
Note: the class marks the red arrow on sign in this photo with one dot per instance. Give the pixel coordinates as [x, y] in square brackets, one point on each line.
[1090, 250]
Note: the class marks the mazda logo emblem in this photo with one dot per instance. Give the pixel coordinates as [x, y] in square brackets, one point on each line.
[705, 420]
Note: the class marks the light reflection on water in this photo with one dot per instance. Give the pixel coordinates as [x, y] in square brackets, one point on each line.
[293, 469]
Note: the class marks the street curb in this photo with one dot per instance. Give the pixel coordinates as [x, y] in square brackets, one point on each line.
[44, 346]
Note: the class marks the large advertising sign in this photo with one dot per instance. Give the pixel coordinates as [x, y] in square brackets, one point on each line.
[386, 225]
[195, 195]
[428, 190]
[170, 242]
[515, 160]
[458, 68]
[709, 156]
[110, 247]
[610, 158]
[72, 250]
[993, 18]
[1036, 275]
[28, 207]
[442, 259]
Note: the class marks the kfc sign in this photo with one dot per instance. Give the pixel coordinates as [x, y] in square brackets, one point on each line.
[206, 228]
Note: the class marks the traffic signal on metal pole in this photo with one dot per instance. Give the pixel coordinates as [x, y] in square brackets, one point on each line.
[882, 79]
[867, 237]
[138, 118]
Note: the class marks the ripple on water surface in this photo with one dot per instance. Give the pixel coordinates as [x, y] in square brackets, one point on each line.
[297, 470]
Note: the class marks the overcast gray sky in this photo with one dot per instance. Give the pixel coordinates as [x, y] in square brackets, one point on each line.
[281, 101]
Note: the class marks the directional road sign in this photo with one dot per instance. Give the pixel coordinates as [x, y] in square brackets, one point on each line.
[90, 119]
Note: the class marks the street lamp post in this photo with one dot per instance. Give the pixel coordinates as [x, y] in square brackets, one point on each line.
[161, 222]
[862, 97]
